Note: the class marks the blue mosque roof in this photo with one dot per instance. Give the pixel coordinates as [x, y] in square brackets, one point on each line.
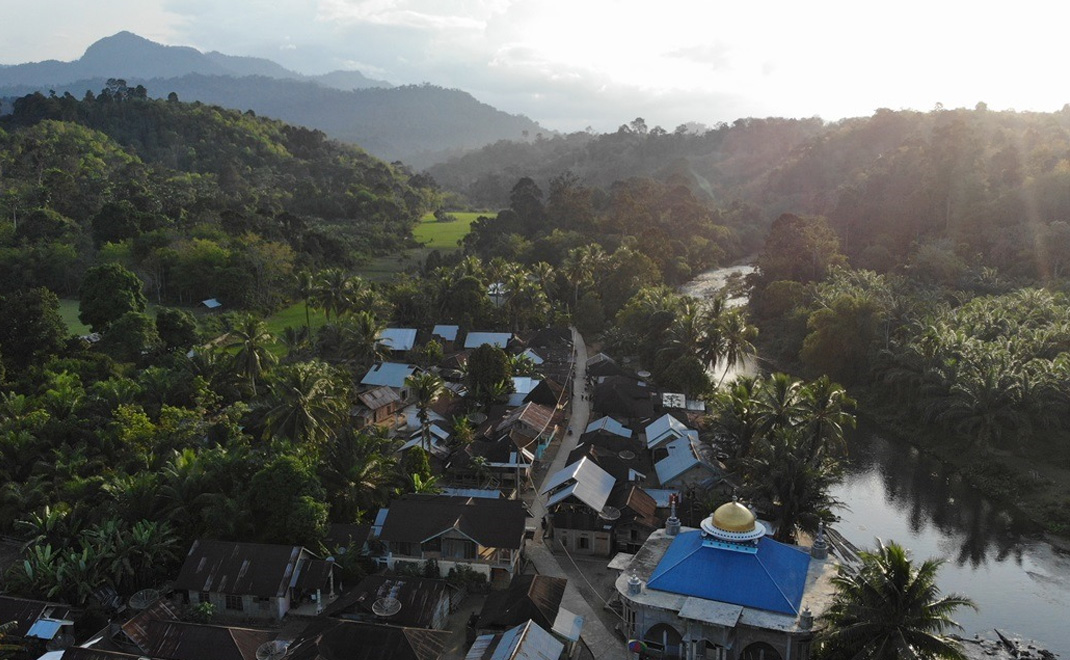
[771, 579]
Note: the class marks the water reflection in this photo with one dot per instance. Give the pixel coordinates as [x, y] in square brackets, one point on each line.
[994, 556]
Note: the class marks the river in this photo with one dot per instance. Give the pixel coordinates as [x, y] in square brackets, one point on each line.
[1021, 584]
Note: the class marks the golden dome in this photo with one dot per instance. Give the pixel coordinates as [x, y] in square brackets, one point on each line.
[733, 517]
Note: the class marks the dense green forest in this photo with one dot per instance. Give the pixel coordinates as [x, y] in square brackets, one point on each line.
[199, 201]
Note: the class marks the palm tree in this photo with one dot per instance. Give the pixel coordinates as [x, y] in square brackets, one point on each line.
[736, 341]
[427, 486]
[426, 387]
[889, 609]
[356, 473]
[307, 286]
[825, 414]
[794, 490]
[306, 404]
[359, 343]
[252, 339]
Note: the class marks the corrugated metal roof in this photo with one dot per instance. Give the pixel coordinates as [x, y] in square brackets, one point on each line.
[610, 425]
[391, 374]
[379, 397]
[772, 579]
[447, 332]
[491, 523]
[255, 569]
[477, 339]
[353, 640]
[683, 455]
[527, 641]
[535, 357]
[664, 428]
[589, 483]
[398, 339]
[45, 628]
[528, 597]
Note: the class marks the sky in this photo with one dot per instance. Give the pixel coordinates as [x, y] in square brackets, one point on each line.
[578, 64]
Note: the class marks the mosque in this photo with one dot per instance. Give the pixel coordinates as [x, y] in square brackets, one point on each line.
[725, 591]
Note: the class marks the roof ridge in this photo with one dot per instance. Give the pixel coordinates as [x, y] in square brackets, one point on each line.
[775, 584]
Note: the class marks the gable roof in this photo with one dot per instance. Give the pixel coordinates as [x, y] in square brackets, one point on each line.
[623, 469]
[489, 522]
[178, 640]
[548, 392]
[477, 339]
[533, 415]
[398, 339]
[772, 579]
[419, 597]
[528, 597]
[611, 425]
[379, 397]
[684, 454]
[255, 569]
[500, 453]
[664, 428]
[533, 356]
[528, 641]
[391, 374]
[584, 480]
[447, 332]
[332, 639]
[522, 387]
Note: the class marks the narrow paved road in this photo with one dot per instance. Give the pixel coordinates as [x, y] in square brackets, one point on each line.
[600, 640]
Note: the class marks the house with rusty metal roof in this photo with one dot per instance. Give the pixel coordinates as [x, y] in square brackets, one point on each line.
[256, 580]
[424, 602]
[498, 463]
[379, 405]
[335, 639]
[485, 535]
[531, 426]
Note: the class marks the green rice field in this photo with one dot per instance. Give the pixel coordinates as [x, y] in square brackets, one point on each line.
[68, 310]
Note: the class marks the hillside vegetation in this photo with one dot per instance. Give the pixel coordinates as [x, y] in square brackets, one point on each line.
[199, 201]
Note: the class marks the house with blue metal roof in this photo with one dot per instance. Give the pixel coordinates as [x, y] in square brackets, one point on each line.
[663, 429]
[686, 462]
[398, 340]
[477, 339]
[610, 425]
[724, 591]
[390, 374]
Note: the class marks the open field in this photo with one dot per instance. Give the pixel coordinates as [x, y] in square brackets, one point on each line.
[294, 316]
[68, 310]
[444, 235]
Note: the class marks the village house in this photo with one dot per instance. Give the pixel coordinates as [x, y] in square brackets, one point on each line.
[255, 580]
[36, 622]
[527, 641]
[498, 339]
[334, 639]
[398, 340]
[482, 534]
[392, 375]
[421, 602]
[576, 500]
[379, 405]
[446, 335]
[531, 427]
[535, 598]
[498, 463]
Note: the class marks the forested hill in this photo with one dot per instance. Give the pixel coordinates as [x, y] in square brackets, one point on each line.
[418, 124]
[973, 186]
[200, 201]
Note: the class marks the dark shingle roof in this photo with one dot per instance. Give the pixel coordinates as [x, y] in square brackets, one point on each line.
[177, 640]
[534, 597]
[492, 523]
[255, 569]
[353, 640]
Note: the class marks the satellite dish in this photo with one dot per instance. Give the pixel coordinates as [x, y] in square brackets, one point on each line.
[273, 650]
[643, 374]
[386, 607]
[626, 455]
[609, 513]
[144, 598]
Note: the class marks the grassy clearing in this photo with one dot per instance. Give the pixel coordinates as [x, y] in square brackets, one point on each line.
[294, 317]
[444, 235]
[68, 310]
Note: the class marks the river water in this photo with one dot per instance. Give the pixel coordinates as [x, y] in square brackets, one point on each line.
[891, 491]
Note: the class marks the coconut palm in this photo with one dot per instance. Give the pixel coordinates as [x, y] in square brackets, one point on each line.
[736, 341]
[889, 609]
[252, 359]
[306, 285]
[426, 387]
[8, 650]
[825, 414]
[356, 473]
[785, 482]
[306, 404]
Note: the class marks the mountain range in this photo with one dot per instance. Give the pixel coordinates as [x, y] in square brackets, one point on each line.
[417, 124]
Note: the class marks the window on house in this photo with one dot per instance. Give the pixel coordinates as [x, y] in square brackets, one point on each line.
[234, 603]
[585, 543]
[405, 549]
[264, 603]
[634, 534]
[434, 545]
[203, 597]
